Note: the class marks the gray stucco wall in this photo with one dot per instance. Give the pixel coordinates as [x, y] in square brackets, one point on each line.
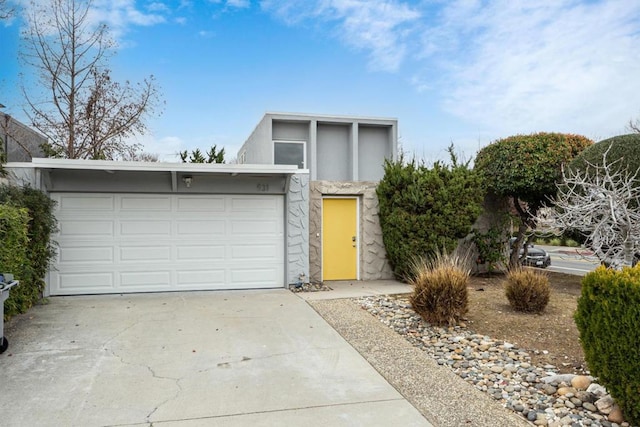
[339, 148]
[290, 131]
[258, 147]
[373, 260]
[297, 227]
[334, 148]
[375, 145]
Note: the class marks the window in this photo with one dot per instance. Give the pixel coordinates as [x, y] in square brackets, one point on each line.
[290, 153]
[243, 157]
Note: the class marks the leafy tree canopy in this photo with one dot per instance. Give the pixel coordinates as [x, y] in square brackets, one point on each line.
[526, 169]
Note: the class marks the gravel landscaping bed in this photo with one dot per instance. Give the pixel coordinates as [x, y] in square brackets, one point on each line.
[500, 369]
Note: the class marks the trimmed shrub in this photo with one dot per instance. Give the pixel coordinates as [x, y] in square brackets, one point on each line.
[13, 251]
[608, 319]
[625, 148]
[423, 210]
[527, 290]
[440, 295]
[41, 249]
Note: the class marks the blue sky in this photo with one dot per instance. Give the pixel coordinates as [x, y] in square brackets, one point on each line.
[466, 72]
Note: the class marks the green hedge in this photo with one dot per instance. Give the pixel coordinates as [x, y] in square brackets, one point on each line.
[623, 149]
[608, 318]
[40, 250]
[14, 241]
[425, 210]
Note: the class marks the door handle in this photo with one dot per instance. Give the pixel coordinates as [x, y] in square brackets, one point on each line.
[353, 239]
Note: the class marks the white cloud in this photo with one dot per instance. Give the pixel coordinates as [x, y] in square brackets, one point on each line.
[501, 66]
[381, 27]
[157, 7]
[119, 15]
[547, 65]
[240, 4]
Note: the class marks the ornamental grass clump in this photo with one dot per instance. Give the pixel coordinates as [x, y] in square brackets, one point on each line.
[527, 290]
[440, 295]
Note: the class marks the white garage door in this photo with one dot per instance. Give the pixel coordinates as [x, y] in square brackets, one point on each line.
[118, 243]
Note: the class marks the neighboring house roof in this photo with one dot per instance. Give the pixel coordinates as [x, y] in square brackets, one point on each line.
[20, 142]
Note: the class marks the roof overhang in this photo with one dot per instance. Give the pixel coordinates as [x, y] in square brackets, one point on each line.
[72, 175]
[200, 168]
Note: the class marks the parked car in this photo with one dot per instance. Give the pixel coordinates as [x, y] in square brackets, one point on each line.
[536, 257]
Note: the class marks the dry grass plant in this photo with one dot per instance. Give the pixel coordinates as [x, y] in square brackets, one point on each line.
[527, 290]
[440, 294]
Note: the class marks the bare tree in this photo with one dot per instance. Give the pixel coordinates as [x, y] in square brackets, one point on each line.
[142, 156]
[6, 11]
[83, 112]
[604, 206]
[634, 126]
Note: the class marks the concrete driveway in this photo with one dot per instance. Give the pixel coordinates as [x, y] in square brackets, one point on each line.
[235, 358]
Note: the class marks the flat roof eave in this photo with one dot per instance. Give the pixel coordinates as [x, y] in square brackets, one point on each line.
[201, 168]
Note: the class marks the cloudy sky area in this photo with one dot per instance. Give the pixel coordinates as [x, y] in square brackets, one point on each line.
[466, 72]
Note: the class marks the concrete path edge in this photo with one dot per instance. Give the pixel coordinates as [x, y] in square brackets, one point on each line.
[440, 395]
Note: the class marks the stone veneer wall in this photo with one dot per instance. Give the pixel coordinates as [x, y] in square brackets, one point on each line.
[297, 227]
[373, 257]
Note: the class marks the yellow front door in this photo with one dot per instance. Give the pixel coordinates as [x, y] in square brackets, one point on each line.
[339, 239]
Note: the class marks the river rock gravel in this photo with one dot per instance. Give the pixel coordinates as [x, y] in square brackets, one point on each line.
[502, 370]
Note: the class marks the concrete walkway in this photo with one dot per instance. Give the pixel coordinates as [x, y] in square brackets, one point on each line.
[436, 391]
[353, 289]
[237, 358]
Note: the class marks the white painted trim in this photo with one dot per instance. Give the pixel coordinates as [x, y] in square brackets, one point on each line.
[331, 117]
[107, 165]
[358, 231]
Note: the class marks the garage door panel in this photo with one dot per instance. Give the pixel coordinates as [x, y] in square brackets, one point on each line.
[86, 254]
[253, 227]
[145, 253]
[200, 279]
[202, 227]
[85, 228]
[146, 228]
[254, 252]
[93, 203]
[210, 253]
[257, 277]
[247, 204]
[112, 243]
[138, 203]
[201, 204]
[146, 280]
[72, 283]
